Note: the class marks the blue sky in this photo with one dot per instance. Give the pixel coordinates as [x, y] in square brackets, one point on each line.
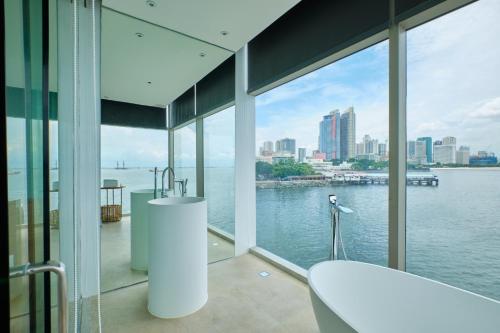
[453, 86]
[296, 108]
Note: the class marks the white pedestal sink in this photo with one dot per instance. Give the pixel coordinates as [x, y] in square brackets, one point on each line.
[177, 256]
[139, 228]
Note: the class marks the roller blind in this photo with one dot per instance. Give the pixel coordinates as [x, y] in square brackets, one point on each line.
[407, 8]
[217, 88]
[309, 32]
[132, 115]
[182, 109]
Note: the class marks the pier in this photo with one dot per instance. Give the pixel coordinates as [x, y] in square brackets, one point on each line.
[383, 179]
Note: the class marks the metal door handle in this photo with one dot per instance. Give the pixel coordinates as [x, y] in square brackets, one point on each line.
[62, 288]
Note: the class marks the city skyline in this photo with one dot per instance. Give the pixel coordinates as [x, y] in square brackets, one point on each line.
[439, 101]
[423, 150]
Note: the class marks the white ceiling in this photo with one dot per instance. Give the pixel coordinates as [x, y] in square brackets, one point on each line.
[170, 61]
[174, 32]
[205, 19]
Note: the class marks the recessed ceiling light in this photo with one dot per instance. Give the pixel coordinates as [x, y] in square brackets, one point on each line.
[151, 3]
[139, 34]
[224, 33]
[202, 54]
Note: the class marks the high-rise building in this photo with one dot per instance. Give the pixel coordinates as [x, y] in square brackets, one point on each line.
[285, 145]
[444, 154]
[420, 152]
[367, 143]
[411, 149]
[445, 151]
[382, 149]
[360, 148]
[428, 147]
[302, 155]
[266, 149]
[268, 146]
[449, 140]
[463, 155]
[348, 134]
[329, 135]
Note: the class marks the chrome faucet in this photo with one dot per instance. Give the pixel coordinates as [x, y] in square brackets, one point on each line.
[182, 186]
[163, 193]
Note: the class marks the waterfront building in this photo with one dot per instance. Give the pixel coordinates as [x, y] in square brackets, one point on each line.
[482, 154]
[463, 155]
[444, 154]
[286, 145]
[266, 149]
[420, 152]
[329, 135]
[367, 143]
[268, 146]
[317, 155]
[262, 158]
[449, 140]
[360, 149]
[382, 150]
[483, 160]
[370, 157]
[348, 134]
[302, 155]
[410, 149]
[282, 158]
[428, 147]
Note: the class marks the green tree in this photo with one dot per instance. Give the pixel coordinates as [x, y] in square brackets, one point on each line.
[263, 169]
[291, 168]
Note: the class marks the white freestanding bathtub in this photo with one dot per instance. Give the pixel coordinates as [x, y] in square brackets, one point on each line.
[349, 296]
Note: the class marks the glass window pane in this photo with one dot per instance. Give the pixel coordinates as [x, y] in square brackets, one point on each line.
[218, 150]
[185, 157]
[453, 229]
[128, 155]
[325, 133]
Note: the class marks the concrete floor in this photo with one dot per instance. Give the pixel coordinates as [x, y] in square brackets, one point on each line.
[115, 255]
[239, 300]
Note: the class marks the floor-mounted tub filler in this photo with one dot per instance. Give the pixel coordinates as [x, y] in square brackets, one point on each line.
[349, 296]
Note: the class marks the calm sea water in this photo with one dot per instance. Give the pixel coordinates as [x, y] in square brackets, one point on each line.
[453, 230]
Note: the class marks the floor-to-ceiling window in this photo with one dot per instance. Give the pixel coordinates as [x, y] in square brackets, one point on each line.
[129, 156]
[453, 115]
[185, 157]
[325, 133]
[218, 151]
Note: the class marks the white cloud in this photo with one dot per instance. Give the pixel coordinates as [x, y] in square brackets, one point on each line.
[488, 110]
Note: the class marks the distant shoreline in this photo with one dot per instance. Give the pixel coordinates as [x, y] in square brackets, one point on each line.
[467, 168]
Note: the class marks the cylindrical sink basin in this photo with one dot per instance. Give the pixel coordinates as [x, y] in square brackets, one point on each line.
[177, 256]
[139, 228]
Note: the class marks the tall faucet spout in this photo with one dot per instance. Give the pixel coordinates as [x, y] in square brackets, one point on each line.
[163, 190]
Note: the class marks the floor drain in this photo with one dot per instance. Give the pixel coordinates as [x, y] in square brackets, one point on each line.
[264, 274]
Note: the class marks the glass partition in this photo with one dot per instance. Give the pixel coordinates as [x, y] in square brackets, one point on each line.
[453, 197]
[218, 150]
[325, 133]
[129, 156]
[185, 157]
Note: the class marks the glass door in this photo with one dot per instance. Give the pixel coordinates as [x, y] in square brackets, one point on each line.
[26, 146]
